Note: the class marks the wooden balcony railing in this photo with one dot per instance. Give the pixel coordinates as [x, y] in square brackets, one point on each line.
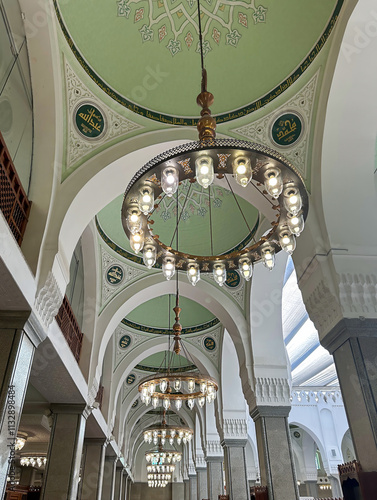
[70, 328]
[14, 203]
[259, 493]
[99, 396]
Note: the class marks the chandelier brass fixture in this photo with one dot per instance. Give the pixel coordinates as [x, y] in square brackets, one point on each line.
[171, 387]
[255, 172]
[171, 433]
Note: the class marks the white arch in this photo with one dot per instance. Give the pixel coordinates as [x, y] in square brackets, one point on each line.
[316, 439]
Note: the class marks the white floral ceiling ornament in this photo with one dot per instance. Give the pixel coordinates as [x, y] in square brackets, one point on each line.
[302, 104]
[200, 342]
[175, 24]
[115, 125]
[133, 340]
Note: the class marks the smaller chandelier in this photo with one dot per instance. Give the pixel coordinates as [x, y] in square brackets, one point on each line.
[161, 457]
[169, 433]
[36, 461]
[160, 477]
[160, 468]
[158, 389]
[154, 483]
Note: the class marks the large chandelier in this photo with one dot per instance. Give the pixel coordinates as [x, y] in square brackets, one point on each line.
[257, 173]
[163, 457]
[164, 432]
[171, 387]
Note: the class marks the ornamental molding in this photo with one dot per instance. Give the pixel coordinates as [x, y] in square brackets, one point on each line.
[323, 308]
[49, 300]
[191, 469]
[116, 125]
[234, 428]
[198, 341]
[272, 391]
[358, 293]
[130, 274]
[314, 397]
[214, 449]
[200, 462]
[302, 103]
[238, 293]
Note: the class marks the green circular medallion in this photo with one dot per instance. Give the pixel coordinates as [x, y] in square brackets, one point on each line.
[89, 121]
[114, 275]
[131, 379]
[135, 403]
[209, 344]
[124, 341]
[232, 279]
[286, 129]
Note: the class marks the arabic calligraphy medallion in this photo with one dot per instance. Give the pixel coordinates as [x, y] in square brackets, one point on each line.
[287, 129]
[232, 279]
[209, 344]
[131, 379]
[114, 275]
[124, 341]
[89, 121]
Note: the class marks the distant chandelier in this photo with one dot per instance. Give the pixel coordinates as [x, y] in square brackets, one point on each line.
[160, 477]
[20, 441]
[161, 468]
[270, 181]
[35, 461]
[170, 386]
[164, 432]
[154, 483]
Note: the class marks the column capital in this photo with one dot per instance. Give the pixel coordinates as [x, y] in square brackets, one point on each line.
[269, 411]
[215, 459]
[233, 443]
[348, 328]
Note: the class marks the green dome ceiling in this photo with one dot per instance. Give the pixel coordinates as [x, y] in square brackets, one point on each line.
[158, 361]
[144, 53]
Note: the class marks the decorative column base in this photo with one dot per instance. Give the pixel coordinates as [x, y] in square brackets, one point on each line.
[275, 452]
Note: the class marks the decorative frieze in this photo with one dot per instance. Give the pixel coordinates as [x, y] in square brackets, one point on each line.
[272, 391]
[49, 300]
[235, 428]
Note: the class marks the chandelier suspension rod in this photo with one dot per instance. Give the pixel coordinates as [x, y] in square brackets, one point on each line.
[210, 219]
[201, 43]
[184, 205]
[235, 199]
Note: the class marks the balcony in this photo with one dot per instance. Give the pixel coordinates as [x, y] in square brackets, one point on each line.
[70, 328]
[14, 203]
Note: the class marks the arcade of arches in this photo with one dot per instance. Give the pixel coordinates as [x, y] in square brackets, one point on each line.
[89, 93]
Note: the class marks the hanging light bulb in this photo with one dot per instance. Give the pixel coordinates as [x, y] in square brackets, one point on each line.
[137, 241]
[245, 267]
[149, 256]
[209, 398]
[296, 224]
[172, 432]
[178, 404]
[242, 171]
[168, 267]
[146, 437]
[184, 439]
[292, 200]
[268, 257]
[191, 385]
[179, 441]
[163, 385]
[146, 199]
[147, 399]
[163, 441]
[201, 401]
[169, 180]
[166, 403]
[204, 171]
[193, 273]
[133, 220]
[152, 388]
[163, 433]
[287, 242]
[155, 402]
[190, 403]
[155, 440]
[219, 273]
[203, 387]
[171, 441]
[177, 384]
[273, 182]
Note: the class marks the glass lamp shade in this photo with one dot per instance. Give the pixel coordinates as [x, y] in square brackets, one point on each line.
[146, 199]
[219, 273]
[177, 385]
[155, 402]
[273, 182]
[204, 171]
[168, 267]
[149, 256]
[296, 224]
[190, 403]
[133, 220]
[137, 241]
[20, 443]
[292, 200]
[245, 267]
[178, 404]
[268, 257]
[169, 180]
[193, 273]
[287, 242]
[242, 171]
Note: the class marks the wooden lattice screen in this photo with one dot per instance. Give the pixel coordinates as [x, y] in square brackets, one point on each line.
[70, 328]
[14, 203]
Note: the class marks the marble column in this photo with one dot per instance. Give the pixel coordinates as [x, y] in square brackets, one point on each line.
[186, 483]
[201, 482]
[108, 488]
[126, 486]
[62, 471]
[177, 491]
[215, 477]
[275, 452]
[353, 343]
[193, 487]
[237, 486]
[118, 481]
[92, 469]
[16, 356]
